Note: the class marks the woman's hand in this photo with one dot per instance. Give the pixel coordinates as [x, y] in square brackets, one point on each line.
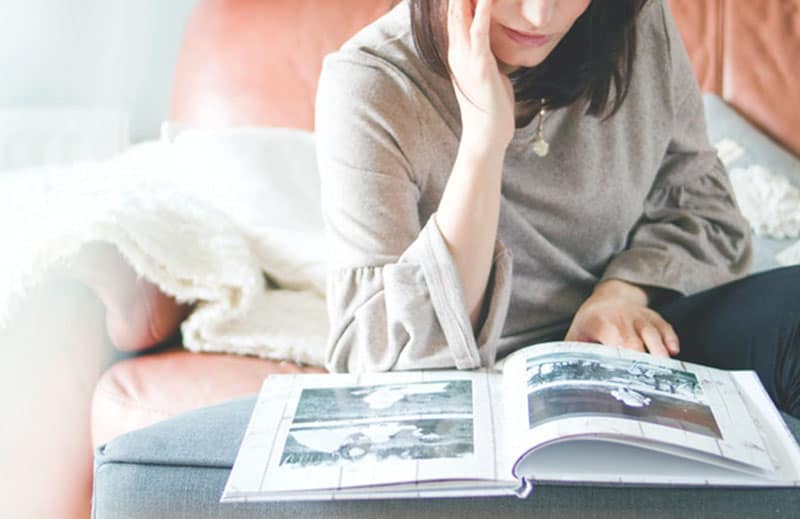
[616, 314]
[485, 95]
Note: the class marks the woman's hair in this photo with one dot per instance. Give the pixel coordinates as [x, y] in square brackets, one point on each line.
[596, 53]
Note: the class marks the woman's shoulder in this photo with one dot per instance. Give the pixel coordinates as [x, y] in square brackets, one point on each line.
[379, 74]
[386, 35]
[662, 56]
[382, 55]
[385, 44]
[658, 33]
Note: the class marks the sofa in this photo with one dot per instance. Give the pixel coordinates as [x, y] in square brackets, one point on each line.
[745, 53]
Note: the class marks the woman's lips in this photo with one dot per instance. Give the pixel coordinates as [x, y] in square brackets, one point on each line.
[536, 40]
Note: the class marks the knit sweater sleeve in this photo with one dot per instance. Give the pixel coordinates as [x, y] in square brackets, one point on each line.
[394, 296]
[691, 235]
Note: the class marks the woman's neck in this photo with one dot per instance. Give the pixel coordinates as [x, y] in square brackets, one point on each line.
[524, 112]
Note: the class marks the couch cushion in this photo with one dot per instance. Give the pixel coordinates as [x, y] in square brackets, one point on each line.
[747, 52]
[140, 391]
[698, 23]
[760, 66]
[178, 469]
[229, 75]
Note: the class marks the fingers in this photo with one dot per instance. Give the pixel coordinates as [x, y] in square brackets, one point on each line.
[658, 335]
[572, 334]
[630, 338]
[603, 332]
[479, 32]
[607, 333]
[653, 340]
[669, 336]
[655, 336]
[459, 20]
[466, 29]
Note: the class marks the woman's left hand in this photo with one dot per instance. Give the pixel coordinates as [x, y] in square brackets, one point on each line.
[616, 314]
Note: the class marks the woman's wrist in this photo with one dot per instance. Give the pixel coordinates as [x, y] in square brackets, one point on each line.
[641, 294]
[481, 154]
[617, 288]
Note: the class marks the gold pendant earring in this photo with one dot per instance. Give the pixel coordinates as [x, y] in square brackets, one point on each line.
[540, 146]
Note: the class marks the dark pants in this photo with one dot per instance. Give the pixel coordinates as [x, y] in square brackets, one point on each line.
[752, 323]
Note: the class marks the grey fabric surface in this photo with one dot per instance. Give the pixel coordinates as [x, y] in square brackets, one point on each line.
[725, 123]
[178, 469]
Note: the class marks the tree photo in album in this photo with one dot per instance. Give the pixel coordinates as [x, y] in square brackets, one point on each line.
[585, 384]
[365, 424]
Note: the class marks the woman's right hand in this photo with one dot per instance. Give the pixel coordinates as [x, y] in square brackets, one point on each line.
[485, 95]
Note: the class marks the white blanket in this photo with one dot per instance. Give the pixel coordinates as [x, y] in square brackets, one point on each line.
[178, 238]
[769, 202]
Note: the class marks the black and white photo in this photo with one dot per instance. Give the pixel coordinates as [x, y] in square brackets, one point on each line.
[585, 384]
[378, 441]
[367, 424]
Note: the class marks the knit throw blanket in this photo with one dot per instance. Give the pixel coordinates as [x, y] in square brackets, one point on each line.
[769, 201]
[172, 234]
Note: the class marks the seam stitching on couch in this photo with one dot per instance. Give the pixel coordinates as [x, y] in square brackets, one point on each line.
[165, 464]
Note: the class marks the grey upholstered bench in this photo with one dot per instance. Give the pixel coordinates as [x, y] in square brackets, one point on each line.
[178, 468]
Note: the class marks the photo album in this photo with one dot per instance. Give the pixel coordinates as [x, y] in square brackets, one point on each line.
[559, 412]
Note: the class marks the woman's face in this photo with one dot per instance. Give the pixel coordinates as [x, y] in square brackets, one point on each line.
[524, 32]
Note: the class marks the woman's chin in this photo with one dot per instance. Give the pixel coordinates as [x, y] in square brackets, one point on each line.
[507, 67]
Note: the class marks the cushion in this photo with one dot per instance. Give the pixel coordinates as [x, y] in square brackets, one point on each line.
[265, 180]
[178, 469]
[724, 123]
[141, 391]
[746, 52]
[229, 73]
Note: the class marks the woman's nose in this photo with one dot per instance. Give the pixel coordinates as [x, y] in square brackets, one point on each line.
[538, 13]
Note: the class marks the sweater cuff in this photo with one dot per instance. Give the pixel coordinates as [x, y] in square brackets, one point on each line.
[498, 290]
[650, 267]
[447, 298]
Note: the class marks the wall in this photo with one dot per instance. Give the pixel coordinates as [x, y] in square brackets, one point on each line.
[91, 53]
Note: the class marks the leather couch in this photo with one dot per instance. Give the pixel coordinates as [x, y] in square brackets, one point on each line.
[744, 51]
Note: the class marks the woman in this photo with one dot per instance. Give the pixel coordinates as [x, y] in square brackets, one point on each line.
[497, 173]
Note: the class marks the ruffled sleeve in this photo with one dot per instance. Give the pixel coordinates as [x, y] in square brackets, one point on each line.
[394, 297]
[691, 235]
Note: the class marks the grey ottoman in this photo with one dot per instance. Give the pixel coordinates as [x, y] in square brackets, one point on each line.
[178, 468]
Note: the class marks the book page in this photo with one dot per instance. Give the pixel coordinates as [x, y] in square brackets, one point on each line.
[783, 449]
[562, 390]
[325, 434]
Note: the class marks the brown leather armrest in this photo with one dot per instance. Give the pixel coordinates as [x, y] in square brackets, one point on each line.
[138, 314]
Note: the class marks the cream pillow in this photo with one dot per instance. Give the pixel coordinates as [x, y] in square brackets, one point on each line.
[265, 180]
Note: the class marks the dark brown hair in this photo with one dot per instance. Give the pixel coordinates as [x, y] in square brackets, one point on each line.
[595, 55]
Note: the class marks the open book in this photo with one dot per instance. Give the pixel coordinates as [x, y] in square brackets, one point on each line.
[557, 412]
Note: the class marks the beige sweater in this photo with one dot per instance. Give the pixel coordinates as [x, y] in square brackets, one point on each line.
[640, 197]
